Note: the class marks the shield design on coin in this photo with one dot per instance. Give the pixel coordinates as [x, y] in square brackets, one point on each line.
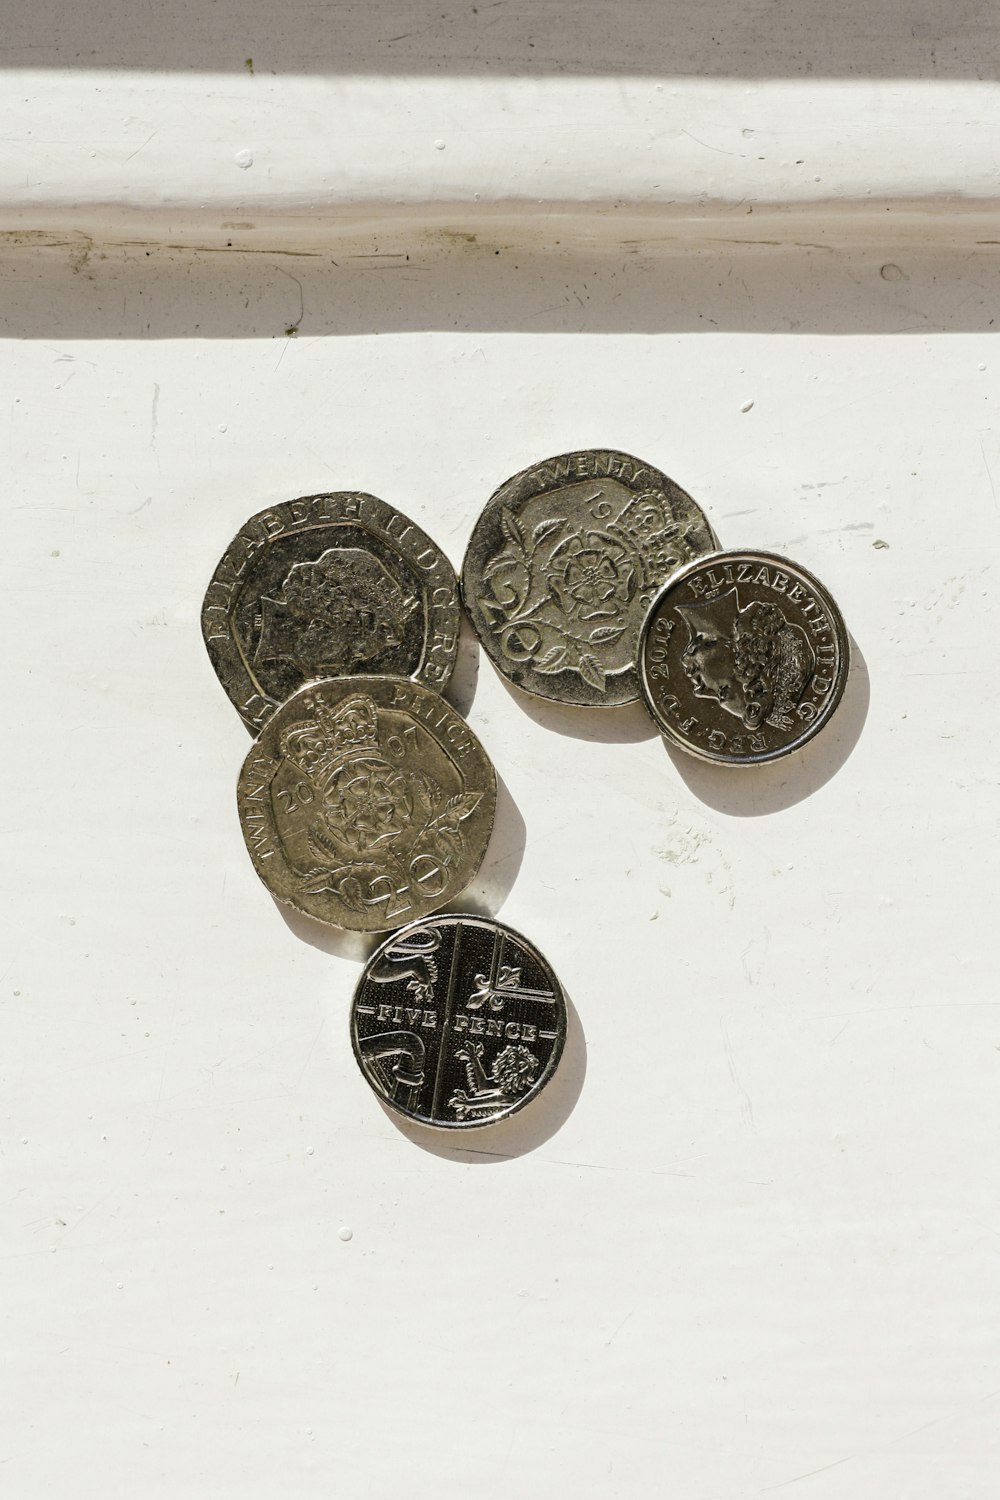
[458, 1021]
[366, 802]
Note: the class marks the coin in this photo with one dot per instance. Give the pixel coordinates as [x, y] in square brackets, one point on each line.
[366, 802]
[562, 565]
[327, 586]
[457, 1021]
[744, 657]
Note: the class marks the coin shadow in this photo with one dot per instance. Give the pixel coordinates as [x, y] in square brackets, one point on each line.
[461, 690]
[341, 942]
[498, 871]
[626, 725]
[757, 791]
[521, 1133]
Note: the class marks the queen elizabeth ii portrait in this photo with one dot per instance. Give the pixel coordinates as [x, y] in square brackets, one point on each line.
[752, 661]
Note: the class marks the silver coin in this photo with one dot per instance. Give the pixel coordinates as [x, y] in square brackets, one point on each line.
[328, 586]
[744, 657]
[562, 565]
[366, 802]
[457, 1021]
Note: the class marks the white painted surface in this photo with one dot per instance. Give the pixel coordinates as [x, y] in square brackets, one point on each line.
[748, 1239]
[755, 1236]
[239, 147]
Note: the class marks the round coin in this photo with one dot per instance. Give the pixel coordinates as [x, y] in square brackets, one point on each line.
[457, 1021]
[744, 657]
[366, 802]
[327, 586]
[562, 565]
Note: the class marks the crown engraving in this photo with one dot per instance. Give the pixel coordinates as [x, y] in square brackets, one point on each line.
[647, 526]
[333, 737]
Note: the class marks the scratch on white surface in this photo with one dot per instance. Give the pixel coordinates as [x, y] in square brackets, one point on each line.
[901, 1437]
[882, 1010]
[618, 1330]
[983, 1226]
[293, 327]
[153, 420]
[312, 1048]
[541, 311]
[87, 1212]
[163, 1074]
[720, 149]
[318, 459]
[822, 1470]
[753, 955]
[989, 474]
[144, 144]
[746, 1105]
[592, 1166]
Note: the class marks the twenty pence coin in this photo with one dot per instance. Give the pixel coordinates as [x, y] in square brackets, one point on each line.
[562, 565]
[457, 1021]
[744, 657]
[328, 586]
[366, 802]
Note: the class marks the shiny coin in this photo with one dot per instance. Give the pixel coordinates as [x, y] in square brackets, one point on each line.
[327, 586]
[457, 1021]
[562, 566]
[366, 802]
[744, 657]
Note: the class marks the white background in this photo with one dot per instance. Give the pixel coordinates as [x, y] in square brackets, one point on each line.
[749, 1236]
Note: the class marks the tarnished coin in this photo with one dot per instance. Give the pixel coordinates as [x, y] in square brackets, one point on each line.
[366, 802]
[457, 1021]
[327, 586]
[744, 657]
[562, 565]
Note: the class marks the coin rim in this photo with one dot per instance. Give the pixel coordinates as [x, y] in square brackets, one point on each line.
[821, 720]
[558, 1047]
[265, 728]
[225, 653]
[465, 589]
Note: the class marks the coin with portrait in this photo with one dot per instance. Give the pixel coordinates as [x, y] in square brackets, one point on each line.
[744, 657]
[563, 563]
[457, 1021]
[366, 802]
[327, 586]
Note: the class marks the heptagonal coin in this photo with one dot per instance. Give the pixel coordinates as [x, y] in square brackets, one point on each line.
[562, 565]
[328, 586]
[366, 802]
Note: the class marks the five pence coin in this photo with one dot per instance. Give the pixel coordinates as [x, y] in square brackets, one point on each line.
[366, 802]
[562, 565]
[744, 657]
[457, 1021]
